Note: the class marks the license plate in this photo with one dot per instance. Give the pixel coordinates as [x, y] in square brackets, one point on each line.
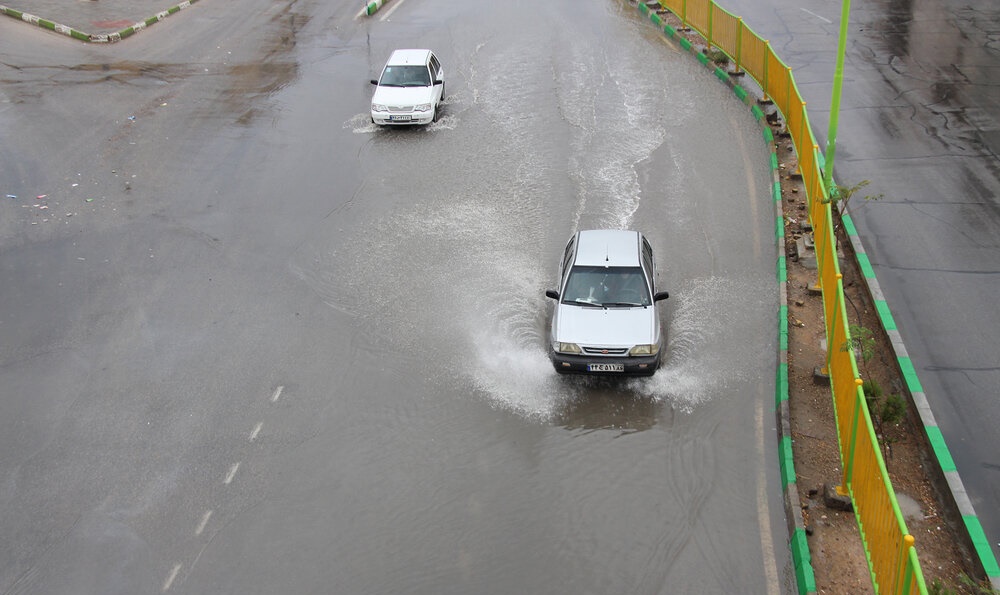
[605, 367]
[400, 118]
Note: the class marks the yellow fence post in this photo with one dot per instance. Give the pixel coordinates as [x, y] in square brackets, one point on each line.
[711, 20]
[901, 567]
[739, 45]
[764, 82]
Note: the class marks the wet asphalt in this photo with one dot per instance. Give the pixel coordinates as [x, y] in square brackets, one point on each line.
[933, 333]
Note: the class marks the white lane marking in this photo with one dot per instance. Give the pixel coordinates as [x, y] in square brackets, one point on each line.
[231, 474]
[256, 430]
[170, 579]
[763, 513]
[824, 19]
[277, 394]
[204, 521]
[392, 8]
[363, 13]
[748, 167]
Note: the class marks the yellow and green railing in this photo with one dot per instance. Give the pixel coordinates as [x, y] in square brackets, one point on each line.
[889, 547]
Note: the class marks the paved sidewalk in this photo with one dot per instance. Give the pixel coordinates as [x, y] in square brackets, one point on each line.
[97, 20]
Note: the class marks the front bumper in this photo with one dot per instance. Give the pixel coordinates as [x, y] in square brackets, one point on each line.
[416, 118]
[632, 366]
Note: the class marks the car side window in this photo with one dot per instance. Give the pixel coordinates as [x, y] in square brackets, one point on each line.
[647, 259]
[568, 255]
[435, 67]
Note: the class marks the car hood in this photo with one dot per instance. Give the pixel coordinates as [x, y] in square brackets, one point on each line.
[402, 95]
[623, 327]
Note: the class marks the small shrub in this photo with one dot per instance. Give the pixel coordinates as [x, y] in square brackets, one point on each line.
[862, 342]
[893, 409]
[717, 56]
[873, 394]
[939, 588]
[979, 588]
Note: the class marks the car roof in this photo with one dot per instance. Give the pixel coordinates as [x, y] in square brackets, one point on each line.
[608, 247]
[402, 57]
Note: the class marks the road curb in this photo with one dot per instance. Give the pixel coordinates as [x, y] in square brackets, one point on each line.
[372, 7]
[805, 578]
[94, 37]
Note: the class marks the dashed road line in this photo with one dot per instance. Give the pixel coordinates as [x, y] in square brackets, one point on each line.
[204, 521]
[231, 474]
[277, 394]
[256, 431]
[824, 19]
[392, 8]
[170, 579]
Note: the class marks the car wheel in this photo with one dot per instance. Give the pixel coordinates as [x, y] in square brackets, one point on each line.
[442, 91]
[437, 114]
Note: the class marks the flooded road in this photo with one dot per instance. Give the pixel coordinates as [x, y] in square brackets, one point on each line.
[280, 350]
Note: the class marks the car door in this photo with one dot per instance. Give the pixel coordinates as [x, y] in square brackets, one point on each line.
[437, 74]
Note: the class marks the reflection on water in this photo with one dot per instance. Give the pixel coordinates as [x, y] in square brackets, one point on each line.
[608, 404]
[896, 26]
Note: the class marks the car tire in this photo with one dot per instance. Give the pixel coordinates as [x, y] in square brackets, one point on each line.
[437, 113]
[442, 91]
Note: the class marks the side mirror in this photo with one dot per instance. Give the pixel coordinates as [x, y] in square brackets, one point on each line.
[374, 82]
[439, 82]
[660, 295]
[552, 293]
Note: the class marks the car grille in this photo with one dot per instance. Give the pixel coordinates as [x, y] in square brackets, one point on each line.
[605, 351]
[400, 108]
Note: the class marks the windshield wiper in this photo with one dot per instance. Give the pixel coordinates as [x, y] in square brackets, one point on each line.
[622, 304]
[584, 303]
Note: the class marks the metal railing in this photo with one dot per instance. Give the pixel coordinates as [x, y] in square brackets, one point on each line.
[889, 547]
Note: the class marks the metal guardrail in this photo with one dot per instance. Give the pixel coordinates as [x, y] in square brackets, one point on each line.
[889, 547]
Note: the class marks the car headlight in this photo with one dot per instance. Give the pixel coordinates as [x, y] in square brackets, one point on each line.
[378, 107]
[423, 107]
[644, 349]
[567, 347]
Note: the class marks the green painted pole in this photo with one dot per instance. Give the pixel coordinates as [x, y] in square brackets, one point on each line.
[838, 82]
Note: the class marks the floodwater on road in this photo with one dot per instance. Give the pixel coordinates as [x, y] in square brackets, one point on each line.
[326, 365]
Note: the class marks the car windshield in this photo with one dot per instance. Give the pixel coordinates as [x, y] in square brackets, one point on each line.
[606, 286]
[405, 76]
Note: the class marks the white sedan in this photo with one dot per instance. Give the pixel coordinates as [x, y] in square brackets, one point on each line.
[410, 89]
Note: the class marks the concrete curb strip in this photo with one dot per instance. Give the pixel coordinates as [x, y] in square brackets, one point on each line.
[372, 7]
[92, 37]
